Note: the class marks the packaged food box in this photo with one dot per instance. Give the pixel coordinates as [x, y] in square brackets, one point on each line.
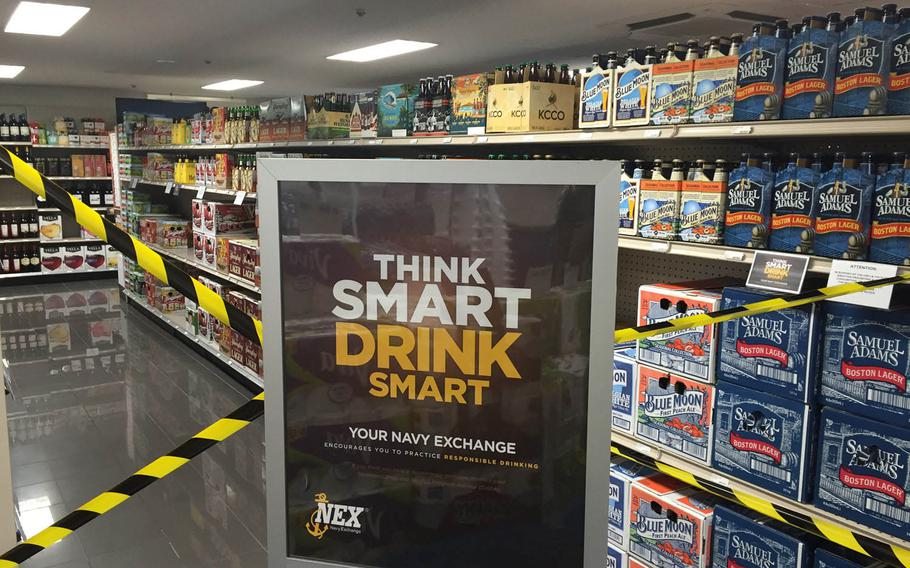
[865, 361]
[670, 92]
[713, 89]
[617, 558]
[95, 257]
[658, 212]
[623, 473]
[690, 352]
[625, 375]
[764, 439]
[703, 206]
[774, 352]
[74, 258]
[675, 413]
[227, 218]
[862, 471]
[670, 527]
[745, 539]
[50, 225]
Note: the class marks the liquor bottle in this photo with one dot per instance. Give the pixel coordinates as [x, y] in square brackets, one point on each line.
[13, 226]
[15, 261]
[33, 224]
[36, 262]
[4, 226]
[25, 133]
[4, 260]
[4, 129]
[24, 231]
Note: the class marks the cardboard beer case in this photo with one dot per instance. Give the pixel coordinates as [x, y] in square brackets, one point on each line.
[617, 558]
[469, 102]
[670, 92]
[595, 109]
[713, 89]
[364, 115]
[658, 208]
[328, 124]
[635, 563]
[530, 107]
[830, 555]
[625, 376]
[675, 413]
[745, 539]
[764, 439]
[862, 471]
[702, 206]
[865, 364]
[395, 109]
[623, 473]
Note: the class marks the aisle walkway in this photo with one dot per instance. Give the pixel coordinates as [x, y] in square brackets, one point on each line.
[99, 391]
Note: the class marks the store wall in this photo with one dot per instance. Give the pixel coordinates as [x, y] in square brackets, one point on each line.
[44, 103]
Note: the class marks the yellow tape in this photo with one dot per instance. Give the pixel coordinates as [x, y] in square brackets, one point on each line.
[150, 260]
[162, 466]
[90, 219]
[211, 302]
[222, 429]
[49, 536]
[680, 474]
[104, 502]
[7, 564]
[902, 554]
[838, 534]
[758, 504]
[27, 175]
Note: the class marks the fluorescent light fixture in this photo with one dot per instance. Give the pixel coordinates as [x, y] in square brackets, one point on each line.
[382, 50]
[10, 71]
[232, 85]
[38, 18]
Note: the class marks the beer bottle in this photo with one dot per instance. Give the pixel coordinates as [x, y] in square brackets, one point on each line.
[664, 55]
[550, 74]
[612, 60]
[833, 22]
[534, 74]
[736, 41]
[782, 29]
[522, 72]
[714, 48]
[720, 170]
[668, 54]
[564, 78]
[651, 55]
[596, 61]
[508, 75]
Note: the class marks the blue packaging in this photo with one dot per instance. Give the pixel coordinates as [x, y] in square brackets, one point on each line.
[628, 198]
[811, 64]
[860, 86]
[792, 212]
[625, 374]
[743, 539]
[632, 94]
[749, 195]
[862, 472]
[623, 473]
[764, 439]
[899, 75]
[671, 91]
[834, 556]
[760, 75]
[865, 363]
[890, 234]
[772, 352]
[617, 558]
[843, 213]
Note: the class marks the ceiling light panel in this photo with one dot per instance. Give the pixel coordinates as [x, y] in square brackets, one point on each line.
[232, 85]
[381, 50]
[38, 18]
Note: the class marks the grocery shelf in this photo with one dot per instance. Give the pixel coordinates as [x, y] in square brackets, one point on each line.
[72, 147]
[27, 274]
[69, 240]
[187, 256]
[187, 187]
[89, 178]
[803, 515]
[714, 252]
[9, 143]
[54, 210]
[178, 324]
[829, 127]
[19, 208]
[15, 241]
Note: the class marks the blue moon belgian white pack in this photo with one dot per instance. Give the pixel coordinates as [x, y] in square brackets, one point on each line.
[862, 471]
[623, 473]
[625, 375]
[773, 352]
[743, 539]
[865, 361]
[617, 558]
[764, 439]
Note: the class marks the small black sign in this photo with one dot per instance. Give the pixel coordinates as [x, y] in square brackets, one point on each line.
[777, 271]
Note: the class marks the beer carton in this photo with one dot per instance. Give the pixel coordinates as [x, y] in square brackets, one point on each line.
[713, 89]
[499, 105]
[702, 211]
[671, 90]
[760, 77]
[617, 558]
[595, 108]
[623, 474]
[748, 219]
[396, 108]
[675, 413]
[297, 122]
[811, 64]
[793, 210]
[221, 218]
[862, 472]
[328, 124]
[469, 103]
[745, 539]
[844, 213]
[671, 528]
[628, 201]
[658, 216]
[834, 556]
[625, 374]
[772, 352]
[899, 69]
[635, 563]
[764, 439]
[632, 95]
[690, 352]
[861, 86]
[363, 115]
[890, 234]
[535, 107]
[274, 124]
[865, 361]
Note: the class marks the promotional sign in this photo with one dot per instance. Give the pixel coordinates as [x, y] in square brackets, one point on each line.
[778, 271]
[436, 348]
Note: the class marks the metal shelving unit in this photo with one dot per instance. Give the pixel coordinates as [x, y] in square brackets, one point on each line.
[71, 147]
[83, 178]
[38, 274]
[187, 256]
[187, 187]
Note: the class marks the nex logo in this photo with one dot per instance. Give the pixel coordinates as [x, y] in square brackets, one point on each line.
[329, 515]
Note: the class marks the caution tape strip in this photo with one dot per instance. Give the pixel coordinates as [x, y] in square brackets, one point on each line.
[158, 469]
[836, 533]
[132, 248]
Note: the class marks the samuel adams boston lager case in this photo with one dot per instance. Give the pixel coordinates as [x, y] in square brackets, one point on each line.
[744, 539]
[760, 81]
[861, 88]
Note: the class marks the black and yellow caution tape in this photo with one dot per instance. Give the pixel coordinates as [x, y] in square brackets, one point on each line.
[833, 532]
[158, 469]
[132, 248]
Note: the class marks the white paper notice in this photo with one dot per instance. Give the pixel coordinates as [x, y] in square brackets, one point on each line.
[200, 193]
[845, 271]
[238, 198]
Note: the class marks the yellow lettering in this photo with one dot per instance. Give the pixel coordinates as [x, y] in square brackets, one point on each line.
[490, 354]
[455, 390]
[430, 389]
[343, 330]
[380, 388]
[423, 348]
[478, 386]
[444, 344]
[407, 385]
[386, 350]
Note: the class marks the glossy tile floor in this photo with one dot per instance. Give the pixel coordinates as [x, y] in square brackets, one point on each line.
[98, 391]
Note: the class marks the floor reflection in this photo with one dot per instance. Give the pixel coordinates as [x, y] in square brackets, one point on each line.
[98, 391]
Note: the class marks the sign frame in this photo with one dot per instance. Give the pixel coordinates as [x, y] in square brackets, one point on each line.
[602, 175]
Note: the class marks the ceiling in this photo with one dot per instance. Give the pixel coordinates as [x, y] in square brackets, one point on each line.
[285, 42]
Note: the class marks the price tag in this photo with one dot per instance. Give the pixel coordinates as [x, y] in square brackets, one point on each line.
[92, 352]
[134, 182]
[200, 193]
[238, 199]
[652, 133]
[377, 141]
[778, 272]
[309, 143]
[446, 140]
[586, 136]
[330, 142]
[660, 246]
[741, 130]
[734, 255]
[175, 191]
[400, 133]
[844, 271]
[529, 138]
[721, 481]
[352, 142]
[168, 187]
[475, 130]
[414, 141]
[481, 140]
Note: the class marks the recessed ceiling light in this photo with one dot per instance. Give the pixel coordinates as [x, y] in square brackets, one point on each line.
[382, 50]
[37, 18]
[10, 71]
[232, 85]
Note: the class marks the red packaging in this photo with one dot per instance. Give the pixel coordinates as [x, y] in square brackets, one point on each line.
[198, 245]
[227, 218]
[197, 213]
[210, 245]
